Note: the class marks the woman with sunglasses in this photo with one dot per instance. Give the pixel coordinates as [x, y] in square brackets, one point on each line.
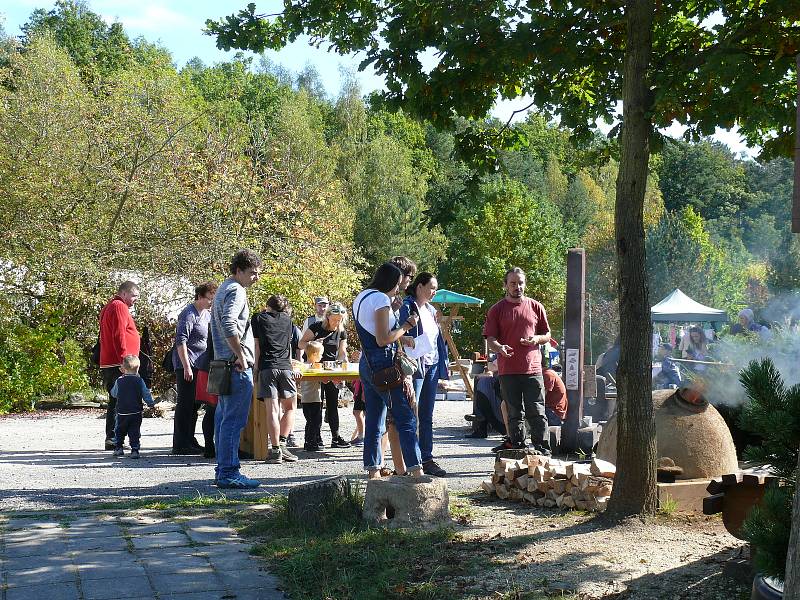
[331, 333]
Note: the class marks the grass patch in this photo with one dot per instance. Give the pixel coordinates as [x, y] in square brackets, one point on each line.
[197, 501]
[667, 506]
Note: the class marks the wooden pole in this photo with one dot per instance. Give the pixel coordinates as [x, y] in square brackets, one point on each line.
[573, 346]
[445, 328]
[796, 194]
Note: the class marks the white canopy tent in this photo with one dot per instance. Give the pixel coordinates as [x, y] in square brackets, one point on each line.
[679, 308]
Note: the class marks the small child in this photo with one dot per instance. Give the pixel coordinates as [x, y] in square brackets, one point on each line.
[358, 403]
[311, 392]
[130, 390]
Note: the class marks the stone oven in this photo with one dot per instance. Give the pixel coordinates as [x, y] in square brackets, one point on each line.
[689, 431]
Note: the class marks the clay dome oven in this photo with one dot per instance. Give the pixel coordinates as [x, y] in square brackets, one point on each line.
[688, 430]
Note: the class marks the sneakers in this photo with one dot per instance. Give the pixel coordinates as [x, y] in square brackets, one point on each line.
[429, 467]
[134, 454]
[504, 445]
[119, 452]
[357, 441]
[110, 444]
[313, 448]
[275, 456]
[240, 482]
[286, 455]
[189, 451]
[339, 442]
[291, 442]
[209, 452]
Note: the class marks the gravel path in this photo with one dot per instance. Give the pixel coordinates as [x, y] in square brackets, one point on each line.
[53, 460]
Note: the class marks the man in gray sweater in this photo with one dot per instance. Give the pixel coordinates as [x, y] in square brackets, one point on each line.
[233, 341]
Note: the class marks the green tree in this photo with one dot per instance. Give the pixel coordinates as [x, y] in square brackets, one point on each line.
[97, 49]
[579, 59]
[680, 254]
[512, 228]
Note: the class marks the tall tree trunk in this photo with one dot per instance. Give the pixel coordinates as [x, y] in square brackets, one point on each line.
[635, 483]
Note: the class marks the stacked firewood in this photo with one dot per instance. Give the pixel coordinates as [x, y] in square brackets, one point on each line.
[551, 483]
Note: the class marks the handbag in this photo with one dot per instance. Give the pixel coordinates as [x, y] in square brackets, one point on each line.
[219, 377]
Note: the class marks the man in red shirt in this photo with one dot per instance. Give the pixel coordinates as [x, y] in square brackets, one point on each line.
[515, 328]
[118, 339]
[555, 397]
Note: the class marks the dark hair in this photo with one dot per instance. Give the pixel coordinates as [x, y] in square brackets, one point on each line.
[243, 260]
[278, 303]
[386, 278]
[209, 287]
[407, 266]
[515, 270]
[127, 286]
[423, 278]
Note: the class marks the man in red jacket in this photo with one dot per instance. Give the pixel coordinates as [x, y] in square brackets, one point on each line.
[118, 339]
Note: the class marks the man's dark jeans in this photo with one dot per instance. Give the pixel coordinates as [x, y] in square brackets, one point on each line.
[526, 393]
[185, 412]
[110, 375]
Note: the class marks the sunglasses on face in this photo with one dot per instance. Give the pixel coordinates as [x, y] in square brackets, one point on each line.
[337, 310]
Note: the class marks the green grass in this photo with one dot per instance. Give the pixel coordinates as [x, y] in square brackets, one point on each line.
[667, 506]
[186, 502]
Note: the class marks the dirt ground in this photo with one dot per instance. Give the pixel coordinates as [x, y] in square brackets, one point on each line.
[550, 553]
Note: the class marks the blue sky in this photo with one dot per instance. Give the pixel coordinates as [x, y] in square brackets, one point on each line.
[178, 25]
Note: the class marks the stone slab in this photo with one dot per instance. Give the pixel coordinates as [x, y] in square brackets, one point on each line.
[169, 539]
[170, 583]
[119, 587]
[52, 591]
[167, 561]
[688, 493]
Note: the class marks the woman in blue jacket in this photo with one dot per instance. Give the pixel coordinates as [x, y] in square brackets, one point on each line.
[432, 366]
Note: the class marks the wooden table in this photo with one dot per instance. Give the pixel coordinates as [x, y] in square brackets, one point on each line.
[254, 439]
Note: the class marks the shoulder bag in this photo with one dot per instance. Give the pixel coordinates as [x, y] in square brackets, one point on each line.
[220, 372]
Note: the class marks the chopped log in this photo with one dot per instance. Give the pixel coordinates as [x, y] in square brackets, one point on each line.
[528, 497]
[732, 478]
[603, 491]
[713, 504]
[549, 503]
[572, 469]
[533, 462]
[532, 485]
[543, 486]
[522, 482]
[558, 469]
[497, 478]
[594, 483]
[519, 473]
[547, 475]
[560, 485]
[560, 500]
[515, 494]
[580, 504]
[602, 468]
[551, 495]
[538, 474]
[502, 491]
[540, 501]
[488, 487]
[568, 501]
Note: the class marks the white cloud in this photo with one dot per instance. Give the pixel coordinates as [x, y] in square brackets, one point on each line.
[145, 17]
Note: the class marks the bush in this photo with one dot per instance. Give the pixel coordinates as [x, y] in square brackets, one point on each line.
[36, 362]
[773, 413]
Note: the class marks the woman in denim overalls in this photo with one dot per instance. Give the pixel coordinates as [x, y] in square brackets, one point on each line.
[377, 329]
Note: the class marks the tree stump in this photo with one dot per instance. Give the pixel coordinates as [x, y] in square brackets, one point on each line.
[404, 501]
[309, 503]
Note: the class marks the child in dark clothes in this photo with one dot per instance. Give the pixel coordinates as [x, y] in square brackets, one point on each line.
[130, 391]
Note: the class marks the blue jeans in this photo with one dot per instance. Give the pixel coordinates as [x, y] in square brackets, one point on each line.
[375, 419]
[229, 420]
[425, 389]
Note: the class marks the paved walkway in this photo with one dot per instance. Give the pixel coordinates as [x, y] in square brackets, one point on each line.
[90, 556]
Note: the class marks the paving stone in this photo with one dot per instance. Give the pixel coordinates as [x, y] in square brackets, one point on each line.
[219, 535]
[167, 561]
[52, 591]
[247, 579]
[42, 547]
[260, 594]
[111, 572]
[169, 583]
[92, 529]
[235, 562]
[164, 527]
[41, 574]
[119, 587]
[32, 523]
[161, 540]
[104, 544]
[21, 536]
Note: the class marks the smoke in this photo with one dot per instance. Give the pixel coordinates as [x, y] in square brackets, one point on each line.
[782, 347]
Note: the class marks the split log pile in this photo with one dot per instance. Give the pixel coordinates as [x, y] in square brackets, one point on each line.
[551, 483]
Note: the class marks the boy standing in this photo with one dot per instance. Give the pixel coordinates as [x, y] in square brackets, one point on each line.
[311, 393]
[130, 391]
